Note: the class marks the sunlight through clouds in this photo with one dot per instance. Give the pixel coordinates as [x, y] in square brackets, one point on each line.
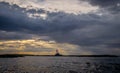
[37, 15]
[36, 46]
[67, 6]
[72, 26]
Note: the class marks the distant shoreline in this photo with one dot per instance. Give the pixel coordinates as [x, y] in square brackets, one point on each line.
[23, 55]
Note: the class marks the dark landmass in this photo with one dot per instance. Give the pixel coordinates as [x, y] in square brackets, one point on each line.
[11, 55]
[93, 55]
[57, 54]
[23, 55]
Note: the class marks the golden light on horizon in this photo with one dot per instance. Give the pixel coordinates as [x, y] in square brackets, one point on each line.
[32, 46]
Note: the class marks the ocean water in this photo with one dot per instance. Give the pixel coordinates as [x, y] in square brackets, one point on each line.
[37, 64]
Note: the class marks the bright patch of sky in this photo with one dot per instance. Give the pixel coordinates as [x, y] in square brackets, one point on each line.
[40, 46]
[67, 6]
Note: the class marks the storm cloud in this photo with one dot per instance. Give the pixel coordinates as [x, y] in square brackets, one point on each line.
[112, 5]
[97, 32]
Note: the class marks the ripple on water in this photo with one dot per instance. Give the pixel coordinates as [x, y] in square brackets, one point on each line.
[61, 65]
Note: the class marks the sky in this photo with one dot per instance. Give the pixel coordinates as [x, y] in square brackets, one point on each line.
[74, 27]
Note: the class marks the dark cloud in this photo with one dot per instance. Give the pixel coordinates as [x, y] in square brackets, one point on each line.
[4, 35]
[111, 5]
[86, 30]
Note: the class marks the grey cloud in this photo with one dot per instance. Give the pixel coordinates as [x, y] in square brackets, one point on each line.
[4, 35]
[85, 30]
[111, 5]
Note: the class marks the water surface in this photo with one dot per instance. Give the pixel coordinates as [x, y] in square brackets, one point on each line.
[37, 64]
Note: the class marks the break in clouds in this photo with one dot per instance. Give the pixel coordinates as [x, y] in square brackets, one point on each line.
[89, 26]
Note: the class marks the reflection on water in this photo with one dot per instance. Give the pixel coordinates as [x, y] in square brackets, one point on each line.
[32, 64]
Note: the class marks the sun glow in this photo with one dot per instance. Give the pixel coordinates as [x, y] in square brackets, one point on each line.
[32, 46]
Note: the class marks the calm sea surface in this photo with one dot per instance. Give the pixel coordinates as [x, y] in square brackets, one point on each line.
[36, 64]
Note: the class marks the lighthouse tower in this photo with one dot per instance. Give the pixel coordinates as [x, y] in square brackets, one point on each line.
[57, 53]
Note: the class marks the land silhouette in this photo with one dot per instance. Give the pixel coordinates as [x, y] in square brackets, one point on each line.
[58, 55]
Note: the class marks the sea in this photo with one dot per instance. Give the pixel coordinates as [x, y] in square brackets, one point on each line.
[44, 64]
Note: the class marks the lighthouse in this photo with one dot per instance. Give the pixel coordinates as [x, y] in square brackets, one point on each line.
[57, 53]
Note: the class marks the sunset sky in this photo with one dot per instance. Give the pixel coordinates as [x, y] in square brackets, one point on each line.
[74, 27]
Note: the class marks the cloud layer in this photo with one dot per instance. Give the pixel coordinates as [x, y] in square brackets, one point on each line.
[40, 46]
[93, 25]
[66, 6]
